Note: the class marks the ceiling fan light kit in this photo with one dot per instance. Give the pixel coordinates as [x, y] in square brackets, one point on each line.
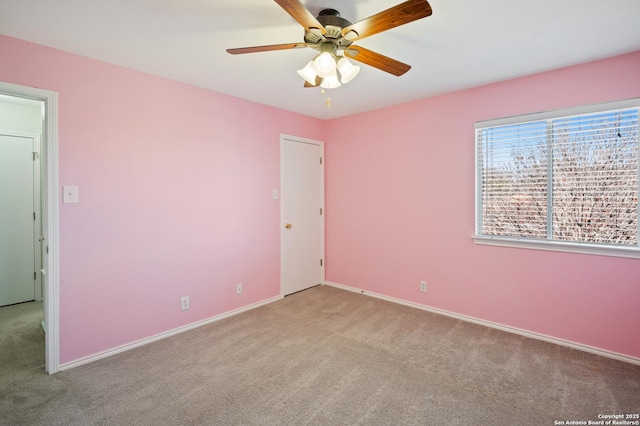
[332, 36]
[326, 66]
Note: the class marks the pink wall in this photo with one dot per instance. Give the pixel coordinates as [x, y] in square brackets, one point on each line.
[175, 187]
[175, 199]
[400, 209]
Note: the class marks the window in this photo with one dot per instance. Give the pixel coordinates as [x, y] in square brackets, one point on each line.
[564, 180]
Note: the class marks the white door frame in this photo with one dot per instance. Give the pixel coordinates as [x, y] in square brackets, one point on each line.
[284, 137]
[50, 224]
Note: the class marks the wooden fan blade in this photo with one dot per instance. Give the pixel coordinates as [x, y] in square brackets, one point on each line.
[301, 14]
[401, 14]
[268, 48]
[376, 60]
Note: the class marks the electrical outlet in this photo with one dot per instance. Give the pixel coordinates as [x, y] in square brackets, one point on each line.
[184, 303]
[423, 286]
[239, 288]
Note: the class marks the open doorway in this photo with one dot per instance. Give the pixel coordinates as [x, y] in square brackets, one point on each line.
[24, 134]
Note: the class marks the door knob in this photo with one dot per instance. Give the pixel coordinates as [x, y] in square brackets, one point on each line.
[288, 226]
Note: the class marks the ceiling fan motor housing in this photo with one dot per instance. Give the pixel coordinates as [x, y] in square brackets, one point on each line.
[331, 17]
[333, 23]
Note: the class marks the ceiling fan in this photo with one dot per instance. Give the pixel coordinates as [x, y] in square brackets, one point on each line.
[332, 36]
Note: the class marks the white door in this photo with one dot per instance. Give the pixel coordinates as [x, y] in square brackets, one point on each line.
[17, 219]
[302, 199]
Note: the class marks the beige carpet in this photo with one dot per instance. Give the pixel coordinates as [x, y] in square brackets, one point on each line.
[320, 357]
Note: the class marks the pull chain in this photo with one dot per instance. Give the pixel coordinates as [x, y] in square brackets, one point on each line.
[327, 100]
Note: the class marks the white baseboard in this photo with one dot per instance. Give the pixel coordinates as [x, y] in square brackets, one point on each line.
[509, 329]
[164, 335]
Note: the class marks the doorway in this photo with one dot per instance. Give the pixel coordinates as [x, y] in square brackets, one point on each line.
[302, 213]
[48, 242]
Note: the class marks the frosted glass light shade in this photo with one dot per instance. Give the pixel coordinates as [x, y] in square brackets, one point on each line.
[348, 71]
[324, 64]
[308, 73]
[331, 81]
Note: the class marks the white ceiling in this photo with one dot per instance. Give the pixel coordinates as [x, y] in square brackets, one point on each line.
[465, 43]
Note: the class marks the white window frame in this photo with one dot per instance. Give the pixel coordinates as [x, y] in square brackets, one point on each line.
[552, 245]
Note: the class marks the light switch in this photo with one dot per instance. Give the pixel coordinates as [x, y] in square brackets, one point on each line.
[275, 194]
[70, 194]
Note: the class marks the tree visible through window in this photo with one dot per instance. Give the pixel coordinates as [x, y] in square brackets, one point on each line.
[572, 178]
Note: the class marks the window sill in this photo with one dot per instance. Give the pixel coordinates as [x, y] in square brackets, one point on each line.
[601, 250]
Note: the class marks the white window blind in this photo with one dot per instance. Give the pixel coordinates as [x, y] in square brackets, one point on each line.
[568, 177]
